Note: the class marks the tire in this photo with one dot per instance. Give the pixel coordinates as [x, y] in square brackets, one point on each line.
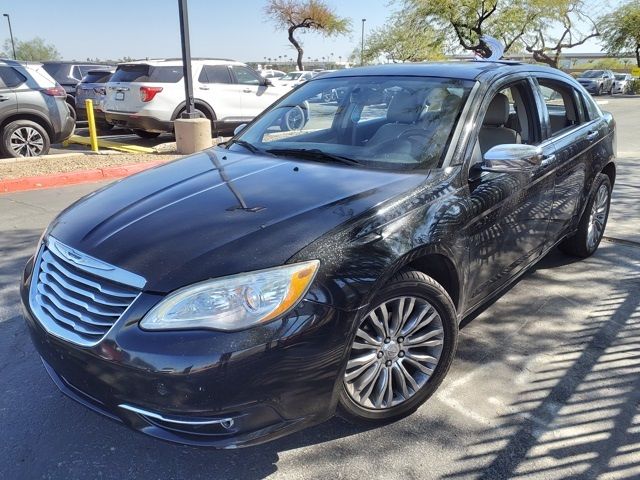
[431, 302]
[145, 134]
[588, 236]
[24, 138]
[72, 112]
[294, 119]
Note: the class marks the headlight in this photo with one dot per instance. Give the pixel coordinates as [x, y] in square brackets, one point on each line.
[235, 302]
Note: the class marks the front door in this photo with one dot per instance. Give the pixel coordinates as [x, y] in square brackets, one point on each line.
[509, 211]
[256, 95]
[9, 79]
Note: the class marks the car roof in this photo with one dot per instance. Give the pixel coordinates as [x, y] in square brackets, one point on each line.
[467, 70]
[172, 62]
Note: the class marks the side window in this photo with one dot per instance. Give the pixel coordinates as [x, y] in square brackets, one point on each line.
[592, 110]
[561, 105]
[511, 118]
[215, 74]
[244, 76]
[9, 78]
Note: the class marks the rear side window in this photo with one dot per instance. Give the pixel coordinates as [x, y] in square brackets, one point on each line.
[592, 110]
[9, 78]
[147, 73]
[215, 74]
[96, 77]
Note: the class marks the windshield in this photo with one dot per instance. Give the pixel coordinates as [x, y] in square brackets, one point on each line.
[592, 73]
[292, 76]
[390, 122]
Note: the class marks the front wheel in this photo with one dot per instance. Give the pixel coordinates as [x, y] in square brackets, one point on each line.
[24, 138]
[592, 223]
[401, 351]
[294, 119]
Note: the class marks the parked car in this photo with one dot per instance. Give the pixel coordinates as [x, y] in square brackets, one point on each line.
[69, 74]
[148, 96]
[623, 83]
[597, 82]
[270, 73]
[293, 79]
[33, 111]
[245, 292]
[93, 87]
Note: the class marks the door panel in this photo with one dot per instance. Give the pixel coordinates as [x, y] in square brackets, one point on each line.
[215, 86]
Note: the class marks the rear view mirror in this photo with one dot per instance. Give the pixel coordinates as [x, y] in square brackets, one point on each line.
[239, 128]
[511, 158]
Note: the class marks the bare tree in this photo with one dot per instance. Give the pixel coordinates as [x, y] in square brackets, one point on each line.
[314, 15]
[546, 49]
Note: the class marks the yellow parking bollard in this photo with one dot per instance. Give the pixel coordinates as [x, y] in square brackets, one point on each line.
[93, 135]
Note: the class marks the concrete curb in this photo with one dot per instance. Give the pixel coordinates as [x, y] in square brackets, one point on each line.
[75, 177]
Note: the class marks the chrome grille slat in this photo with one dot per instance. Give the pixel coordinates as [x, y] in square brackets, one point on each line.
[50, 259]
[91, 295]
[72, 300]
[76, 301]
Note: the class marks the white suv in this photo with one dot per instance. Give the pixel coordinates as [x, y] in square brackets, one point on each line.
[147, 96]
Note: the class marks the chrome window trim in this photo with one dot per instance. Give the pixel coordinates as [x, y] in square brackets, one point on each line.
[146, 413]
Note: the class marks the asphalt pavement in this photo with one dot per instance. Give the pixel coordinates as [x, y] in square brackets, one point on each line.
[545, 384]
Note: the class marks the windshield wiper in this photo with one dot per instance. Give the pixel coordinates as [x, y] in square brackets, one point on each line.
[249, 146]
[314, 153]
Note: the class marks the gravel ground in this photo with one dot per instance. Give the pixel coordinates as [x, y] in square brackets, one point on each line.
[47, 165]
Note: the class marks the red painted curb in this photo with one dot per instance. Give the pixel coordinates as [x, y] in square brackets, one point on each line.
[73, 178]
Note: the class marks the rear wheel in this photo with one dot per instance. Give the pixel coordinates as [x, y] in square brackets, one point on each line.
[401, 351]
[593, 222]
[145, 134]
[24, 138]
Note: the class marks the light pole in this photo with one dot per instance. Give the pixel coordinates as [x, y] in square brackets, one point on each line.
[362, 49]
[13, 45]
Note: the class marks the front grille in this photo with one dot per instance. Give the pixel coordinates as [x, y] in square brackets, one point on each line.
[71, 301]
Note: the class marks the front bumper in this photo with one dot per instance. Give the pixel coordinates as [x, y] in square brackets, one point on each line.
[218, 389]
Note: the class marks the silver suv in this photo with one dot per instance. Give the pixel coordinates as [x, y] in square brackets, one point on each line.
[33, 111]
[147, 96]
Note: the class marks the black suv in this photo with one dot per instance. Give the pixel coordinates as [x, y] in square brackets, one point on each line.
[251, 290]
[69, 74]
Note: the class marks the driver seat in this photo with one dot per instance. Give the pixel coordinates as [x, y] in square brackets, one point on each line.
[493, 131]
[402, 114]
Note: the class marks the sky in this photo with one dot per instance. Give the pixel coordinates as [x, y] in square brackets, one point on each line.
[237, 29]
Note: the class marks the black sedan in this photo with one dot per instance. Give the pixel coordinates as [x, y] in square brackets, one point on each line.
[245, 292]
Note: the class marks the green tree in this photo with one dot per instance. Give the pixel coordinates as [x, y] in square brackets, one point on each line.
[621, 30]
[313, 15]
[464, 22]
[34, 50]
[566, 17]
[403, 41]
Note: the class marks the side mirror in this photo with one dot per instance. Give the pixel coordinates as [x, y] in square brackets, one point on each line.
[511, 158]
[239, 128]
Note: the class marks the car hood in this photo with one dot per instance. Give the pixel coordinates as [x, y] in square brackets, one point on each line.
[220, 212]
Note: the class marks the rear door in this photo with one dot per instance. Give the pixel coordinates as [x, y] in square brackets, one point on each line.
[216, 87]
[9, 79]
[573, 137]
[256, 95]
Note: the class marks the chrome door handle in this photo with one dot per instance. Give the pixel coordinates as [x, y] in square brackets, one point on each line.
[204, 88]
[547, 159]
[247, 90]
[591, 136]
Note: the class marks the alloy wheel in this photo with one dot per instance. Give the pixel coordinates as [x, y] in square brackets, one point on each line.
[26, 142]
[598, 216]
[395, 352]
